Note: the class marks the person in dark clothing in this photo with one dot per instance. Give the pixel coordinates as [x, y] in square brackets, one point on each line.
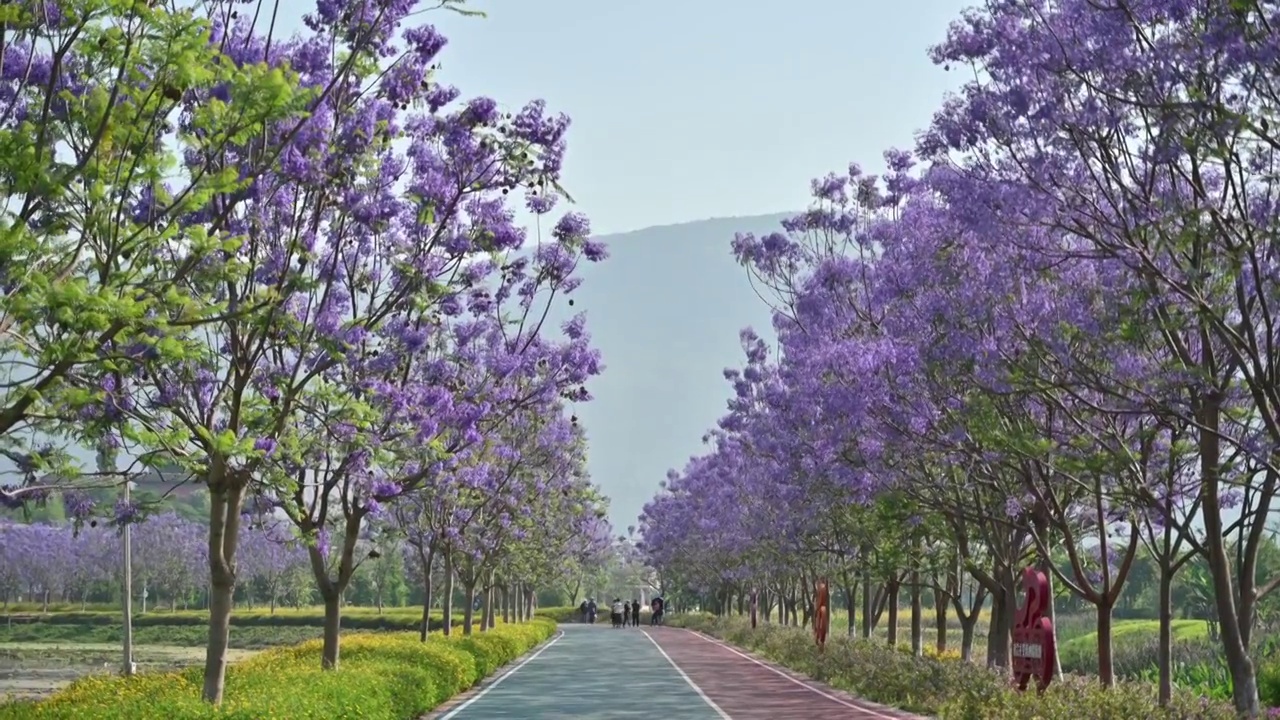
[635, 612]
[582, 612]
[657, 605]
[626, 614]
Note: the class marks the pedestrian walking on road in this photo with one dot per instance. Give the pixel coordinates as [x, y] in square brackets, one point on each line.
[616, 612]
[635, 613]
[626, 614]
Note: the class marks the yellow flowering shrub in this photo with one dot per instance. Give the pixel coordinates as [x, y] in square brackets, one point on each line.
[386, 676]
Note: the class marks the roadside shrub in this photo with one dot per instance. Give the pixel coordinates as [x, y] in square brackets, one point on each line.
[561, 615]
[946, 687]
[1269, 682]
[381, 677]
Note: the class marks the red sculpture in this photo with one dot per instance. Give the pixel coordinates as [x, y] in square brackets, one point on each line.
[755, 605]
[1033, 641]
[821, 613]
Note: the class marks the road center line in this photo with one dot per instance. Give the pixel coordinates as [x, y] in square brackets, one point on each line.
[779, 673]
[485, 691]
[710, 703]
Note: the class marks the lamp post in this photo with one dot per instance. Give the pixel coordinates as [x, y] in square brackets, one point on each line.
[107, 466]
[126, 637]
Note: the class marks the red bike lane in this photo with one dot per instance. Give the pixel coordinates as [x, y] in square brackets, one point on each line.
[748, 688]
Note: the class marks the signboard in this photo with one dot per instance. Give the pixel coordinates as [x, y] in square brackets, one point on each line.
[821, 613]
[1033, 639]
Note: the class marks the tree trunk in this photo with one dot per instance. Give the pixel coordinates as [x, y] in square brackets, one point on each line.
[332, 631]
[1106, 669]
[226, 495]
[867, 611]
[891, 600]
[850, 606]
[917, 612]
[940, 622]
[1052, 613]
[446, 623]
[491, 595]
[427, 600]
[215, 663]
[1164, 651]
[1243, 675]
[966, 637]
[333, 589]
[1003, 607]
[469, 613]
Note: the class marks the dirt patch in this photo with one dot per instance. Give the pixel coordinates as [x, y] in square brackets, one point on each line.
[33, 670]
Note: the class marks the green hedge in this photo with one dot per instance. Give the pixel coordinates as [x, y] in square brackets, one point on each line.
[352, 618]
[949, 689]
[389, 676]
[566, 615]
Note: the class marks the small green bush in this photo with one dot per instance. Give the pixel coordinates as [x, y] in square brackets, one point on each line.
[381, 677]
[946, 688]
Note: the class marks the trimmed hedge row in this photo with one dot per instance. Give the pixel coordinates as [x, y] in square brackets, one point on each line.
[946, 687]
[382, 677]
[352, 618]
[567, 615]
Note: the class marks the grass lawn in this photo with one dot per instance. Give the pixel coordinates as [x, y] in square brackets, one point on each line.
[41, 652]
[1140, 630]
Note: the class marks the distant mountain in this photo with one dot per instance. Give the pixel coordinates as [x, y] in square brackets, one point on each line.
[665, 310]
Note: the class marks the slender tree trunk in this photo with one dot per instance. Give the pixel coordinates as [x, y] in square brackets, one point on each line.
[891, 600]
[940, 621]
[1047, 568]
[428, 560]
[850, 606]
[333, 589]
[917, 613]
[446, 624]
[469, 612]
[1106, 668]
[867, 611]
[226, 495]
[490, 596]
[1003, 606]
[1243, 674]
[967, 626]
[332, 631]
[1164, 651]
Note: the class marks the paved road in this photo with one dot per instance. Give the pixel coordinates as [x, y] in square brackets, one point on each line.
[599, 673]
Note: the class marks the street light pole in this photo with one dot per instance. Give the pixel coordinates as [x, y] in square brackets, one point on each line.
[129, 668]
[107, 466]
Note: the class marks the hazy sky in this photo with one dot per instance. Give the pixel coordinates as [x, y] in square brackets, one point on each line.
[692, 109]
